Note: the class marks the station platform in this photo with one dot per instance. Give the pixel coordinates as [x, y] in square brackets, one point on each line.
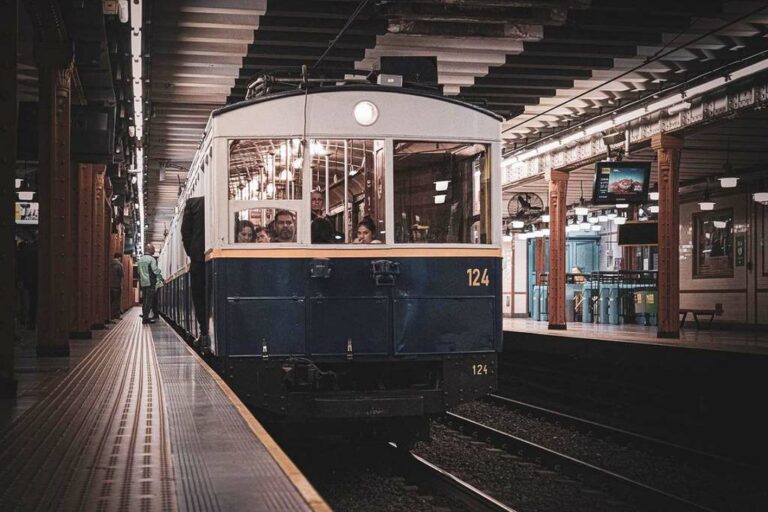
[739, 341]
[137, 421]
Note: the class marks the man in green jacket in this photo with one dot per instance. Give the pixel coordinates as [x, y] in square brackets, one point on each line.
[150, 279]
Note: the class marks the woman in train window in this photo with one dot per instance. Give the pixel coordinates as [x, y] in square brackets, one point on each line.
[245, 232]
[366, 232]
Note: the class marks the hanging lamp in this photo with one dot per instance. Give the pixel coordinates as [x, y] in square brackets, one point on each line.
[729, 180]
[706, 204]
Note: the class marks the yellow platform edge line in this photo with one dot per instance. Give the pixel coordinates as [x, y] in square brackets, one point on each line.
[296, 477]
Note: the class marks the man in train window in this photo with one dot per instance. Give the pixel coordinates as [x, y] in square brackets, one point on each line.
[322, 228]
[285, 226]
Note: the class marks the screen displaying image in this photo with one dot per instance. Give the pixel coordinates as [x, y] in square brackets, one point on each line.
[621, 182]
[27, 212]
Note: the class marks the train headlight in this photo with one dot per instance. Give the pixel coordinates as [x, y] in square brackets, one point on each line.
[366, 113]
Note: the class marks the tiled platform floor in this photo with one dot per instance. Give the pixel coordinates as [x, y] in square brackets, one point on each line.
[135, 421]
[750, 342]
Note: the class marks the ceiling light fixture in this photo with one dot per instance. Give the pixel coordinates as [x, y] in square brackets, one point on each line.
[706, 204]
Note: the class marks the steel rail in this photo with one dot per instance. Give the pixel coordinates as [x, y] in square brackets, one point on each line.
[575, 468]
[583, 425]
[431, 476]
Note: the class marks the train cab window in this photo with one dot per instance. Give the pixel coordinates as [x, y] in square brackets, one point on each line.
[442, 192]
[351, 169]
[265, 225]
[261, 170]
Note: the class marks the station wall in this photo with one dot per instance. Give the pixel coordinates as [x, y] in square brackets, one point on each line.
[515, 260]
[743, 293]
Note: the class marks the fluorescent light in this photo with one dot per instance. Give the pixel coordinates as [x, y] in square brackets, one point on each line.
[592, 219]
[602, 217]
[630, 116]
[136, 67]
[729, 182]
[654, 208]
[546, 148]
[582, 210]
[440, 199]
[136, 19]
[622, 205]
[26, 196]
[138, 88]
[707, 205]
[598, 127]
[573, 137]
[620, 220]
[135, 43]
[720, 224]
[653, 196]
[760, 197]
[749, 70]
[527, 155]
[442, 185]
[518, 224]
[683, 105]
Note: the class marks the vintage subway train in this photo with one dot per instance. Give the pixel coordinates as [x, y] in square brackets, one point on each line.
[310, 320]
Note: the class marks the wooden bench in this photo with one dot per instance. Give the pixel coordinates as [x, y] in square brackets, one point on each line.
[704, 312]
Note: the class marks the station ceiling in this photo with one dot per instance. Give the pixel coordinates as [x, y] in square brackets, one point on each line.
[541, 64]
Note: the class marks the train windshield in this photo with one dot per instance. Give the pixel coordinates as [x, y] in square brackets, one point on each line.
[353, 169]
[442, 192]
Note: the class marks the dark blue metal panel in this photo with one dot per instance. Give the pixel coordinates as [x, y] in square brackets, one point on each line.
[444, 324]
[266, 277]
[277, 321]
[364, 321]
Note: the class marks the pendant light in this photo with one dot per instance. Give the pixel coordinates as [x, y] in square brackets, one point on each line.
[582, 209]
[729, 180]
[706, 204]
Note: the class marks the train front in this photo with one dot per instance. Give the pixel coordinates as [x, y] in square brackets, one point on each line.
[356, 268]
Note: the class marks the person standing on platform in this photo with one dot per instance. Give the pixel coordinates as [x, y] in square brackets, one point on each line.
[116, 284]
[193, 239]
[147, 267]
[322, 228]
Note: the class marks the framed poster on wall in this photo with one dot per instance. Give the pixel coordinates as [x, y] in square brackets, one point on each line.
[713, 244]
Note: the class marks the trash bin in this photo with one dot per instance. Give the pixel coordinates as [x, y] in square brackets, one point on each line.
[536, 313]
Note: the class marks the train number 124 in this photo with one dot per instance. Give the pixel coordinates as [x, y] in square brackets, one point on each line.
[478, 277]
[479, 369]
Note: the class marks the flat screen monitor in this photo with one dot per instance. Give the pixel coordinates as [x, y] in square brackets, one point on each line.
[621, 182]
[27, 212]
[639, 233]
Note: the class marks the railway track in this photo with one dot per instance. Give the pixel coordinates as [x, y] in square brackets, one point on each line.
[691, 455]
[429, 476]
[597, 477]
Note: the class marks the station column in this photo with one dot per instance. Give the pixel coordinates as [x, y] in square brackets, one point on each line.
[8, 124]
[668, 150]
[55, 260]
[558, 186]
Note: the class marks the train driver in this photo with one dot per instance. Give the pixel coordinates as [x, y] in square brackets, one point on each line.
[285, 227]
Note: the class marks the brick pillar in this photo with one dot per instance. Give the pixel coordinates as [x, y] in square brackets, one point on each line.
[668, 150]
[8, 134]
[55, 258]
[558, 186]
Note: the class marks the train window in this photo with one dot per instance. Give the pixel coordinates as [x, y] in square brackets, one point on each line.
[261, 170]
[352, 169]
[442, 192]
[264, 225]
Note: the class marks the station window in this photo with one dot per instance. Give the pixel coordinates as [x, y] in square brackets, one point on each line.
[348, 201]
[264, 225]
[442, 192]
[262, 170]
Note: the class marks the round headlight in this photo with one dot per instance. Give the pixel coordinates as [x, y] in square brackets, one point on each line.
[366, 113]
